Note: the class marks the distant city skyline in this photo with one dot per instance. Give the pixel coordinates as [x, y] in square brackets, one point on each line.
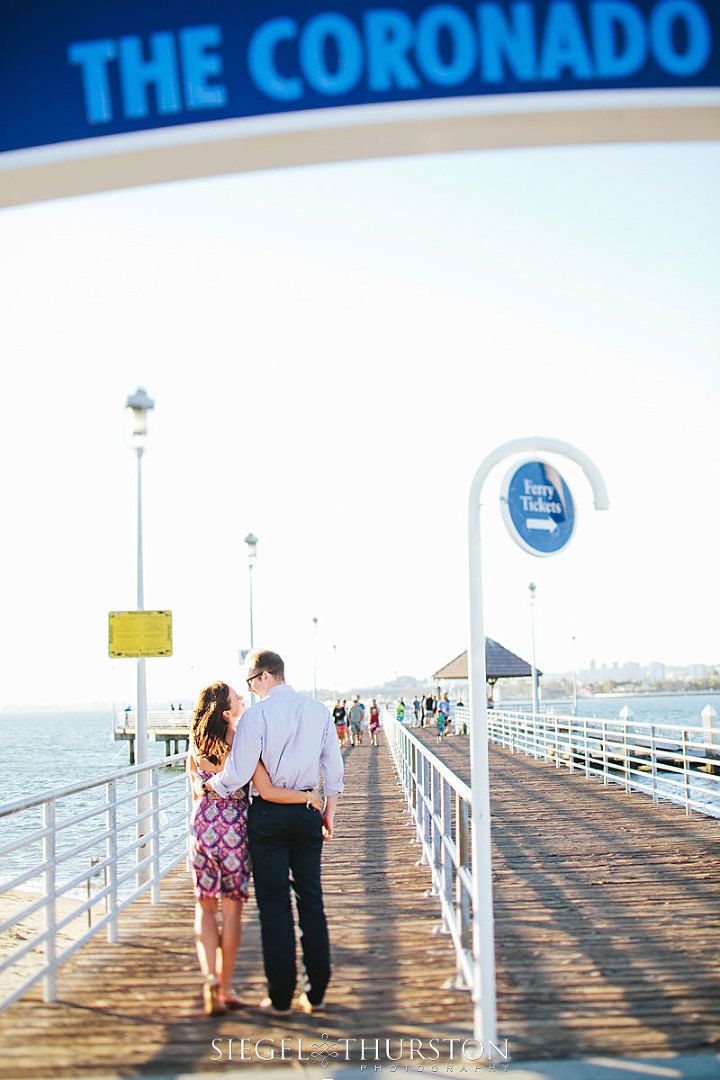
[633, 671]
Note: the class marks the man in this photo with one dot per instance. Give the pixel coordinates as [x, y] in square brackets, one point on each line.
[417, 709]
[357, 716]
[294, 737]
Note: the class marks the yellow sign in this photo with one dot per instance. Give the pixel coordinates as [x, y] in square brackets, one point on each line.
[140, 633]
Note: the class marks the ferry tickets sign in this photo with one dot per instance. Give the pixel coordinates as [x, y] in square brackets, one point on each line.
[140, 633]
[79, 69]
[537, 508]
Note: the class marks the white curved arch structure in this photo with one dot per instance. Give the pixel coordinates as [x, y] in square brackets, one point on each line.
[98, 97]
[356, 132]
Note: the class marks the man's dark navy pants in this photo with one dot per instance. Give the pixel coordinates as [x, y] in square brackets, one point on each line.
[285, 841]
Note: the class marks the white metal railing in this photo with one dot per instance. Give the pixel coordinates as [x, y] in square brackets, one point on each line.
[440, 804]
[159, 721]
[129, 829]
[676, 762]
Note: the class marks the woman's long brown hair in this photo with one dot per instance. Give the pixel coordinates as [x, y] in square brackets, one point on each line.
[209, 726]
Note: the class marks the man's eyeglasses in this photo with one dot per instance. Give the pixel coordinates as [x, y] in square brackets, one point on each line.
[252, 679]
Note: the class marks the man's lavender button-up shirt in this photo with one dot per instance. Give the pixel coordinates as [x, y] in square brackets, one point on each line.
[292, 734]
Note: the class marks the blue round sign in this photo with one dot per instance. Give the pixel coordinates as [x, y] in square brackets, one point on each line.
[538, 508]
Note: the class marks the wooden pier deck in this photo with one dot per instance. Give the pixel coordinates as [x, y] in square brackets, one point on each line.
[607, 914]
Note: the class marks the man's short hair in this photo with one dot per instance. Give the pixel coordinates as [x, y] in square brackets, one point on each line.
[264, 660]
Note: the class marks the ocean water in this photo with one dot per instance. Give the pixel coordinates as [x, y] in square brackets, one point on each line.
[680, 709]
[53, 749]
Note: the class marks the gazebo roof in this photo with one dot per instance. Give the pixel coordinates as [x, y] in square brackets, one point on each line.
[500, 663]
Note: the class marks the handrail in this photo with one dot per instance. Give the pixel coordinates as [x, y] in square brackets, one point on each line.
[139, 834]
[676, 762]
[440, 804]
[86, 785]
[159, 720]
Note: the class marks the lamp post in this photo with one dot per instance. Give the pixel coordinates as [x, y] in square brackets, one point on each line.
[315, 622]
[335, 681]
[140, 404]
[574, 677]
[251, 542]
[531, 588]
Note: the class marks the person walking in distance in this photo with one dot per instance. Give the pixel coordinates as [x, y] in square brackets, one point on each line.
[294, 736]
[356, 716]
[374, 722]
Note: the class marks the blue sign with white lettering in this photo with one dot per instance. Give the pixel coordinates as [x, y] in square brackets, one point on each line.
[538, 508]
[78, 69]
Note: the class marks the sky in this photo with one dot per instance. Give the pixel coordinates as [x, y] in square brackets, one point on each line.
[333, 351]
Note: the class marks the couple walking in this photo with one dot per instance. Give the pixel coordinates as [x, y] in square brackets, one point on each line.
[255, 786]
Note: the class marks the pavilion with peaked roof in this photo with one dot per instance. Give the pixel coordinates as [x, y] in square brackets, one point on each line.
[500, 663]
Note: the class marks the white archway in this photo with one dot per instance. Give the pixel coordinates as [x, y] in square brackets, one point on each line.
[355, 132]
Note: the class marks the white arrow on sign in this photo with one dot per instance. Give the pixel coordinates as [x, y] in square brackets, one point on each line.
[541, 523]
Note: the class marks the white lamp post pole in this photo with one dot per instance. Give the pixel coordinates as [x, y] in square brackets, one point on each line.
[574, 677]
[251, 542]
[315, 622]
[335, 679]
[483, 989]
[140, 404]
[532, 587]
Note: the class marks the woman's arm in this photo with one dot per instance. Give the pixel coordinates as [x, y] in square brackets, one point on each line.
[261, 780]
[194, 762]
[195, 781]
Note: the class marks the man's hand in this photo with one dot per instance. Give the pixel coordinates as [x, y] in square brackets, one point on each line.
[328, 825]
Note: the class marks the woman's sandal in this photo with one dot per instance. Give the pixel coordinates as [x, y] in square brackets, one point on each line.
[230, 999]
[212, 1003]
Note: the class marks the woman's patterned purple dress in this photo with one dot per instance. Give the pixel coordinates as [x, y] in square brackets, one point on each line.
[218, 845]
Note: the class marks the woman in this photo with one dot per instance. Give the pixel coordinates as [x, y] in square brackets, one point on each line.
[374, 722]
[340, 721]
[443, 718]
[218, 842]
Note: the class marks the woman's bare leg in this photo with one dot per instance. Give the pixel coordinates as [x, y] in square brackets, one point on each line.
[232, 911]
[207, 935]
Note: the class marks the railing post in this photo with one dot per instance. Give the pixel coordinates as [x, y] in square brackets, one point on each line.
[653, 763]
[686, 774]
[446, 868]
[420, 804]
[435, 832]
[411, 774]
[426, 838]
[587, 748]
[111, 848]
[155, 843]
[462, 897]
[49, 853]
